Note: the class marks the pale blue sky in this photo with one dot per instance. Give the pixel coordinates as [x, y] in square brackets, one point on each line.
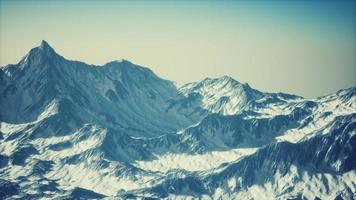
[302, 47]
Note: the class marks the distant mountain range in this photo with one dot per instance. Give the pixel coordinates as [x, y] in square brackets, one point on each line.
[70, 130]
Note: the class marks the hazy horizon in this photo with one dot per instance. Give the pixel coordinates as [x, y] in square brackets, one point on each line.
[303, 48]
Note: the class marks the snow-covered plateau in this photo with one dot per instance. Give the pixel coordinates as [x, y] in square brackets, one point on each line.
[69, 130]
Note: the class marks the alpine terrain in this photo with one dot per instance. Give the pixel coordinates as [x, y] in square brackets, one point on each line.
[69, 130]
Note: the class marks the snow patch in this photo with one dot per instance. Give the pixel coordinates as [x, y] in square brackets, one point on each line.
[198, 162]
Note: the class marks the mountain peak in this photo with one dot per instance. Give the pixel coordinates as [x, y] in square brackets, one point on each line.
[40, 53]
[228, 79]
[46, 47]
[44, 44]
[221, 80]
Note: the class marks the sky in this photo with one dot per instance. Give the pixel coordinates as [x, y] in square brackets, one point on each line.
[306, 48]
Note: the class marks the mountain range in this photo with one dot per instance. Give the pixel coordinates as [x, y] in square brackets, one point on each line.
[70, 130]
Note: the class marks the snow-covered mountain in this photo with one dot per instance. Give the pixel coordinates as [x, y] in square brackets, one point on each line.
[320, 167]
[72, 130]
[118, 94]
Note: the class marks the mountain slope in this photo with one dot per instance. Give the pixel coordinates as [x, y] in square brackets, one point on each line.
[320, 167]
